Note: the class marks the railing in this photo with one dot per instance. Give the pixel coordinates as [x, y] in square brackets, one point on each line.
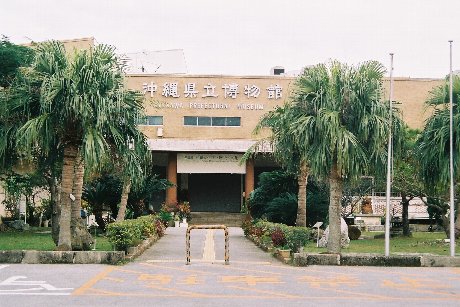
[187, 240]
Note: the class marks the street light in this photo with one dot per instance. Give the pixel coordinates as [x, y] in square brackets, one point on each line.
[451, 161]
[390, 150]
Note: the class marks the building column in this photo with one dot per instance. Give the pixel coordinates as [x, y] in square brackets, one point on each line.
[171, 175]
[249, 182]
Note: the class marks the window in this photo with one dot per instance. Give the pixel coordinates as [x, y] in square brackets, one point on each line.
[212, 121]
[190, 121]
[151, 121]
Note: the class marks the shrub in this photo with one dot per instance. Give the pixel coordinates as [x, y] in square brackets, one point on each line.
[297, 237]
[165, 217]
[354, 233]
[130, 233]
[278, 238]
[280, 235]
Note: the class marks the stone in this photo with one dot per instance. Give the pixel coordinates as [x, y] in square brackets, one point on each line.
[344, 241]
[14, 256]
[305, 259]
[380, 260]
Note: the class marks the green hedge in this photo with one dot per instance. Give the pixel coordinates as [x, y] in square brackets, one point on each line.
[130, 233]
[261, 230]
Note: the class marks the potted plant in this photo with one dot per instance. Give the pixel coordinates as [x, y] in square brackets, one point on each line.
[176, 220]
[184, 211]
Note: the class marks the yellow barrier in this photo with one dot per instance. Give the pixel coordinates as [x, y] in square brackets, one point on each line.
[187, 240]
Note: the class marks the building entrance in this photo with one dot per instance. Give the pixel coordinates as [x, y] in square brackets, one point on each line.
[215, 192]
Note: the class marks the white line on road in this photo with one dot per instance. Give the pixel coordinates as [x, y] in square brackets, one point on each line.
[209, 254]
[3, 266]
[52, 294]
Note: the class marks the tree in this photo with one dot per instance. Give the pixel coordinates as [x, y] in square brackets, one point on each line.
[83, 104]
[345, 127]
[275, 198]
[289, 150]
[102, 193]
[12, 58]
[134, 164]
[433, 144]
[20, 101]
[407, 176]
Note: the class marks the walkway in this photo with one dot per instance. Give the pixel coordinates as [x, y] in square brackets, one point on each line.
[206, 246]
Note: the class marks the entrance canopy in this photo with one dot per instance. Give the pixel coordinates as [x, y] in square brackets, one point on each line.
[190, 145]
[204, 163]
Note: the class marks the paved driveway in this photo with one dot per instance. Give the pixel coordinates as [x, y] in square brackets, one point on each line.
[253, 278]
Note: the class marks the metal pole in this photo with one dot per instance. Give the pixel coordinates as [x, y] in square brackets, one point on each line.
[390, 150]
[451, 162]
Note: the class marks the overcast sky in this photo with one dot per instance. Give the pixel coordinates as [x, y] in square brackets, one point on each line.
[247, 37]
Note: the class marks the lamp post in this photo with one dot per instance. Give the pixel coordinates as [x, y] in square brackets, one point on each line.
[390, 150]
[451, 160]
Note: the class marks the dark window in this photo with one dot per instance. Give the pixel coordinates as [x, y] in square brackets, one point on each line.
[204, 121]
[218, 121]
[212, 121]
[151, 121]
[190, 120]
[233, 121]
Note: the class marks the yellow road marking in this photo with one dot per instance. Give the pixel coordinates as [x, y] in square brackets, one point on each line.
[161, 278]
[114, 279]
[279, 294]
[316, 281]
[180, 269]
[93, 281]
[251, 280]
[191, 280]
[411, 283]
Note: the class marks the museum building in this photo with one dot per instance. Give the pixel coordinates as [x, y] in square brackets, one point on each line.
[199, 126]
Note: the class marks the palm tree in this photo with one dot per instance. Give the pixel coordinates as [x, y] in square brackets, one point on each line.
[344, 127]
[289, 150]
[433, 144]
[133, 163]
[83, 104]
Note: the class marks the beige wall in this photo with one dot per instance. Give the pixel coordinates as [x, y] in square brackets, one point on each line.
[174, 109]
[410, 93]
[71, 44]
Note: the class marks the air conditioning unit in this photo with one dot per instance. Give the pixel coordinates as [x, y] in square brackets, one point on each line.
[160, 132]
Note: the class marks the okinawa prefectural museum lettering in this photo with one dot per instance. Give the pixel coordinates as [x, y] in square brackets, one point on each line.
[178, 95]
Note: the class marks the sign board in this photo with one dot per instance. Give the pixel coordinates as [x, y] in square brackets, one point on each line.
[210, 163]
[318, 225]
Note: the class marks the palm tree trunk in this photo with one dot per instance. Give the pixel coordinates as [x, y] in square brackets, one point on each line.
[70, 154]
[336, 191]
[124, 199]
[457, 223]
[302, 195]
[80, 237]
[77, 188]
[55, 209]
[405, 215]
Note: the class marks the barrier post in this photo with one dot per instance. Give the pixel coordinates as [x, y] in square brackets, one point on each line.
[187, 240]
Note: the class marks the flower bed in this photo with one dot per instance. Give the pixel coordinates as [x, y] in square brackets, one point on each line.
[274, 237]
[130, 233]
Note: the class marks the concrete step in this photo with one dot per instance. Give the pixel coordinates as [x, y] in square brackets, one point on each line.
[211, 218]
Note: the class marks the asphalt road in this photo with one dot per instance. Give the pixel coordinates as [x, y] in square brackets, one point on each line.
[160, 277]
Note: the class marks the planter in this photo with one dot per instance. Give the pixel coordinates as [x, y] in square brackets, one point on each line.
[285, 253]
[176, 223]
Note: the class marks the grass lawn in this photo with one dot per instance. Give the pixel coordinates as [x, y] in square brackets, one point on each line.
[39, 239]
[421, 242]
